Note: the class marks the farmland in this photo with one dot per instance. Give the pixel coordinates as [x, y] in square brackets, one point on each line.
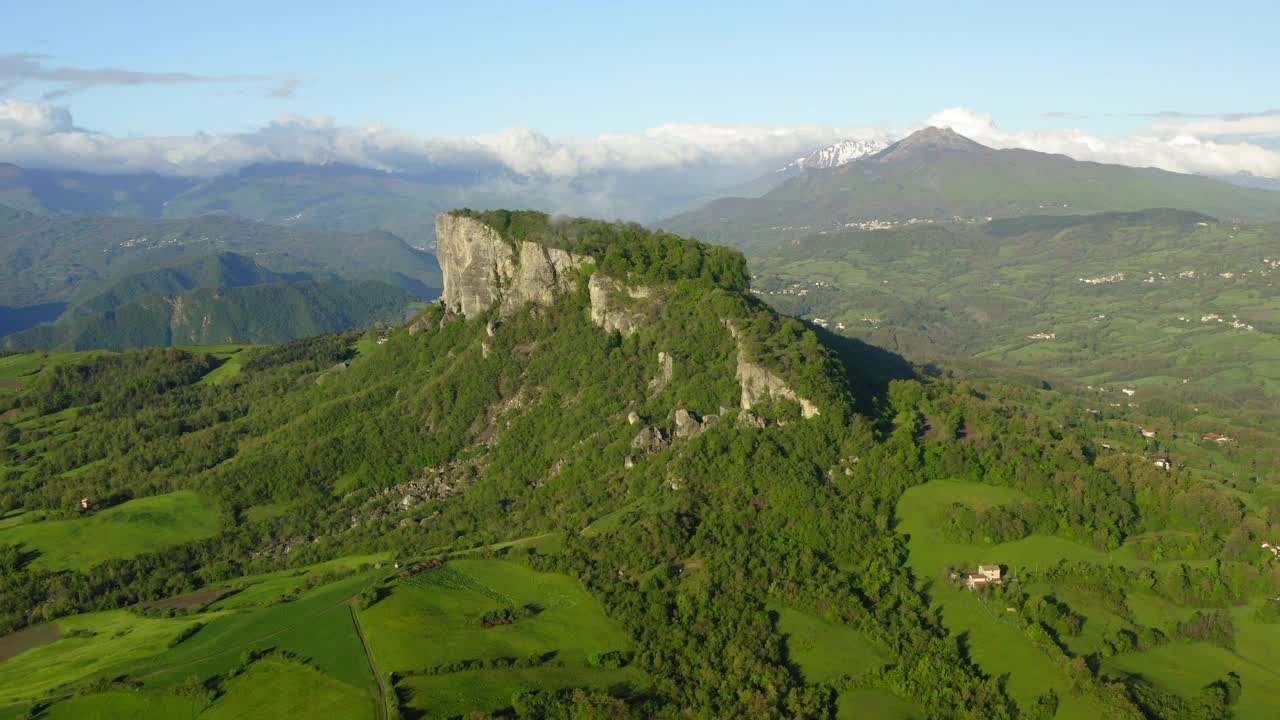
[429, 620]
[994, 634]
[117, 532]
[303, 621]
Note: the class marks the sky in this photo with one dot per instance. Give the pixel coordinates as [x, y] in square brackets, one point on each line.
[1133, 82]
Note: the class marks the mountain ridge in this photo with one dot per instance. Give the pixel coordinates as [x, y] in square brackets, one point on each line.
[937, 175]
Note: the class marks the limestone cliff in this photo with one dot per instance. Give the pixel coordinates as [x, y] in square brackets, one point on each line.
[613, 306]
[482, 269]
[758, 383]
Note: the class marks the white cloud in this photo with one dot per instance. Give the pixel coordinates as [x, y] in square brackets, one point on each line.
[691, 158]
[41, 135]
[1211, 146]
[22, 117]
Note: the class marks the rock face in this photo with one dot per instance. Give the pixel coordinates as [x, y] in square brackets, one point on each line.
[758, 383]
[611, 308]
[482, 269]
[663, 378]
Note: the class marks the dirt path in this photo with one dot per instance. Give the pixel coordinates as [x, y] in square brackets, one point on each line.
[373, 665]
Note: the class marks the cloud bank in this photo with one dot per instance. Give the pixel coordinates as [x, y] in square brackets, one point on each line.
[43, 135]
[1219, 145]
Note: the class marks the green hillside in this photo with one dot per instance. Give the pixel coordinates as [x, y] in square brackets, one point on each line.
[937, 175]
[67, 192]
[44, 260]
[528, 512]
[224, 269]
[256, 314]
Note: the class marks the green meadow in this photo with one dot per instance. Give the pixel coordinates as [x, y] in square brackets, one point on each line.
[310, 614]
[429, 620]
[121, 531]
[995, 640]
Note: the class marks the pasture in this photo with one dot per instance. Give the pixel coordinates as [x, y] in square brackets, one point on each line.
[430, 620]
[122, 531]
[274, 688]
[823, 650]
[996, 642]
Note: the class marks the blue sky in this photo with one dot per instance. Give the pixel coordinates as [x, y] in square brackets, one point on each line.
[588, 68]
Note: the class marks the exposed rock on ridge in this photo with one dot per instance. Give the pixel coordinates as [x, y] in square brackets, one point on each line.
[482, 269]
[758, 383]
[610, 310]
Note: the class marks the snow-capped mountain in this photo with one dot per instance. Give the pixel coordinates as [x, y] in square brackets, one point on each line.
[845, 151]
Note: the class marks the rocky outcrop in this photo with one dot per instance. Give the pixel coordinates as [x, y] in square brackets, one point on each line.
[482, 269]
[688, 424]
[650, 440]
[613, 306]
[759, 384]
[665, 368]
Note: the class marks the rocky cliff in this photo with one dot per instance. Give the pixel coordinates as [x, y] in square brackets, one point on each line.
[612, 306]
[481, 268]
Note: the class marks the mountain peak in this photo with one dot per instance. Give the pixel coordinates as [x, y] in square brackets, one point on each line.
[929, 139]
[834, 155]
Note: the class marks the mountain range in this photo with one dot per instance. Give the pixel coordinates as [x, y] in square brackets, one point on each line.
[937, 175]
[236, 280]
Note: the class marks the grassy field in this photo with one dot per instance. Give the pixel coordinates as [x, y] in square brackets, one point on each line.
[317, 626]
[825, 650]
[1187, 667]
[278, 689]
[457, 694]
[994, 639]
[117, 532]
[264, 590]
[875, 704]
[232, 358]
[996, 642]
[116, 704]
[429, 620]
[422, 623]
[92, 644]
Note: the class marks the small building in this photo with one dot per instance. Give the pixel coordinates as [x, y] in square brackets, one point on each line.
[986, 575]
[1275, 549]
[1148, 432]
[1162, 461]
[1215, 437]
[85, 504]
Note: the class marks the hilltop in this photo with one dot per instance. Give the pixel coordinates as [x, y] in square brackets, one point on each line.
[937, 175]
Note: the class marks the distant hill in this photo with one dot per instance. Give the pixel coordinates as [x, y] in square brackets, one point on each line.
[1157, 297]
[267, 313]
[938, 175]
[46, 260]
[1247, 179]
[223, 269]
[67, 192]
